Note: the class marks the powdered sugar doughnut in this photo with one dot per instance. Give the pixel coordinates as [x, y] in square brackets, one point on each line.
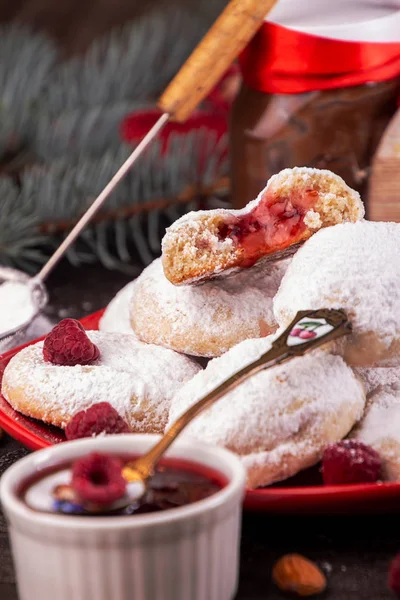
[204, 320]
[138, 380]
[355, 267]
[292, 207]
[116, 316]
[280, 420]
[380, 428]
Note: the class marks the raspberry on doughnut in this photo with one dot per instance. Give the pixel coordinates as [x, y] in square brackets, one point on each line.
[138, 380]
[98, 419]
[292, 207]
[68, 344]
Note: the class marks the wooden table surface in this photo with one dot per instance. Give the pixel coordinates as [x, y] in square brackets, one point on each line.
[354, 551]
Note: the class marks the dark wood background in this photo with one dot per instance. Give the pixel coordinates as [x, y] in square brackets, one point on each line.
[354, 551]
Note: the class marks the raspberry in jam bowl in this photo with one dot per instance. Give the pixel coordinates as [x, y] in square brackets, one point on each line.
[179, 541]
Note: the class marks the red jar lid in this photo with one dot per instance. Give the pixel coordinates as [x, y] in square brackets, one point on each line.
[322, 44]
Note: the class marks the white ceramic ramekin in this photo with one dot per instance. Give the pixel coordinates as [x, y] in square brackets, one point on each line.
[187, 553]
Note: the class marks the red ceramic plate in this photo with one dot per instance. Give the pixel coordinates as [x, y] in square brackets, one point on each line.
[300, 495]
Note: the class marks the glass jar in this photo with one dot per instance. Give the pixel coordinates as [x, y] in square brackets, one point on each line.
[311, 100]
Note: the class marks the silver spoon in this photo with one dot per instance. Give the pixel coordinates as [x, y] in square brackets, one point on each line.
[36, 297]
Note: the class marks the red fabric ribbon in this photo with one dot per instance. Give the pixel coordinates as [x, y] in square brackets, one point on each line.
[283, 61]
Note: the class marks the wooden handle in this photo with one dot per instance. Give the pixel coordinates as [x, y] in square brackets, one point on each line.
[230, 33]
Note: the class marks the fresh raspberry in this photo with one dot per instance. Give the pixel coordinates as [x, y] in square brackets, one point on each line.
[394, 575]
[68, 344]
[99, 418]
[97, 479]
[350, 461]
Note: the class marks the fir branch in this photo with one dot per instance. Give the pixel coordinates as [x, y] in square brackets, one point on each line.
[133, 219]
[26, 60]
[132, 63]
[172, 206]
[64, 189]
[20, 243]
[71, 112]
[94, 130]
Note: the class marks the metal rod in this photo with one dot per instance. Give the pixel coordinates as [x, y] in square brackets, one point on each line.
[101, 198]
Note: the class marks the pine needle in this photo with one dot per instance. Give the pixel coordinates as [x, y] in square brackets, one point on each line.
[26, 61]
[53, 196]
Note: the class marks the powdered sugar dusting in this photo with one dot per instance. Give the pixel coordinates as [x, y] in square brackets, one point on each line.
[336, 198]
[280, 420]
[16, 305]
[224, 310]
[286, 181]
[374, 378]
[312, 219]
[138, 380]
[352, 266]
[194, 215]
[247, 295]
[194, 222]
[333, 190]
[116, 316]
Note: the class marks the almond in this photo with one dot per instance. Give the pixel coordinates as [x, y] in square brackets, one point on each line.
[295, 573]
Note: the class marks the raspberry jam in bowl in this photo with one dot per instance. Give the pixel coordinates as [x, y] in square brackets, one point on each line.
[180, 541]
[93, 485]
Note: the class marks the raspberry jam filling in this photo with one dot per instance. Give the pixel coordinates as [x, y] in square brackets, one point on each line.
[275, 223]
[175, 483]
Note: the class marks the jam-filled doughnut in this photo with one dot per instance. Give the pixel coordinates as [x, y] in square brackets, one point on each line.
[355, 267]
[204, 320]
[280, 420]
[294, 205]
[137, 379]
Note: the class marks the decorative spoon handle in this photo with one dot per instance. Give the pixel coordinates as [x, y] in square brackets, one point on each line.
[308, 330]
[230, 33]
